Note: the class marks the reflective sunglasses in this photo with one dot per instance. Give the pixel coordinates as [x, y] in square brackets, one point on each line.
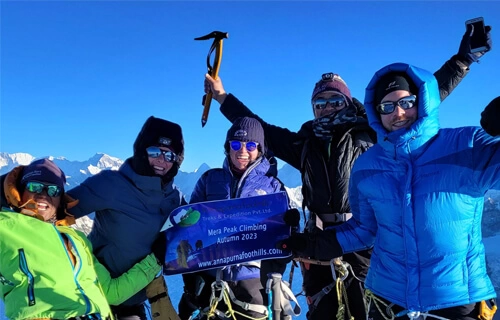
[337, 102]
[389, 106]
[155, 152]
[249, 145]
[38, 187]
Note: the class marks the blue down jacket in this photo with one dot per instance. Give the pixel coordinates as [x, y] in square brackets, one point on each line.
[220, 184]
[418, 197]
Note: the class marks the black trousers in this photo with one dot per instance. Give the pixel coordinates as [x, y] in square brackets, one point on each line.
[317, 277]
[244, 290]
[136, 312]
[465, 312]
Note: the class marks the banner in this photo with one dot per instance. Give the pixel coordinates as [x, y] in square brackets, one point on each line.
[215, 234]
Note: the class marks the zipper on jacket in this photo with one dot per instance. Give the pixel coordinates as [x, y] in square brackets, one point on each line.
[5, 281]
[245, 174]
[23, 265]
[77, 267]
[327, 182]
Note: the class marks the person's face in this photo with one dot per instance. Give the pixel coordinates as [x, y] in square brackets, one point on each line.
[399, 118]
[242, 157]
[159, 165]
[327, 102]
[46, 205]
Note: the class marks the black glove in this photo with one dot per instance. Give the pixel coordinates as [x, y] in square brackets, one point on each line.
[464, 50]
[292, 217]
[490, 118]
[300, 244]
[159, 247]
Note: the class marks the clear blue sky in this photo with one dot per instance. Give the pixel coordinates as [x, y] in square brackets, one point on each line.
[82, 77]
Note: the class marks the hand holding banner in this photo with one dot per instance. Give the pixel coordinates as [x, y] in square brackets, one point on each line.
[215, 234]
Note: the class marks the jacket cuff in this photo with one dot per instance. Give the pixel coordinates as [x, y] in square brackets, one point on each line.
[459, 62]
[150, 266]
[230, 100]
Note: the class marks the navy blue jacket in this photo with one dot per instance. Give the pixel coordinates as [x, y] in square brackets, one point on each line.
[219, 184]
[130, 210]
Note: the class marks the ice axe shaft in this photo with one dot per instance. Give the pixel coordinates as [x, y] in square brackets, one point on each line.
[213, 71]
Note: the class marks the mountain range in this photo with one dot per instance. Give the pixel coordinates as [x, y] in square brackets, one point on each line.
[77, 171]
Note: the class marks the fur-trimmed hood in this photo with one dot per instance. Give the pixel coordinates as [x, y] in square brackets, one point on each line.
[11, 186]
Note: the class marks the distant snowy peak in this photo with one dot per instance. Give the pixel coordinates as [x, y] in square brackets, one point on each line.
[102, 161]
[204, 167]
[14, 159]
[76, 171]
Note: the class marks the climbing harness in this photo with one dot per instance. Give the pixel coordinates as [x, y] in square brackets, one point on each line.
[278, 292]
[389, 313]
[343, 268]
[222, 292]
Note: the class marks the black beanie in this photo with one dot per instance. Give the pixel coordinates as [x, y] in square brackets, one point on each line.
[391, 82]
[246, 129]
[44, 171]
[157, 132]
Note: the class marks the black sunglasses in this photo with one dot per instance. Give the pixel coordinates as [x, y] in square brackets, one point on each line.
[155, 152]
[388, 107]
[337, 102]
[38, 187]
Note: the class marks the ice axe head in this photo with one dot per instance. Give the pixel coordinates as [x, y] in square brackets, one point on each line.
[216, 35]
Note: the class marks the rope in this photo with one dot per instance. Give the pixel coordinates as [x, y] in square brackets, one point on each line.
[336, 265]
[230, 313]
[327, 263]
[341, 291]
[416, 315]
[413, 315]
[225, 294]
[377, 302]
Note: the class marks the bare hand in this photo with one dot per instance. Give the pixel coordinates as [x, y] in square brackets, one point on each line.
[216, 87]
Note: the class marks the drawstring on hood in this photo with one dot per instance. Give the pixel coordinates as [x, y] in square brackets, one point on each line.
[12, 190]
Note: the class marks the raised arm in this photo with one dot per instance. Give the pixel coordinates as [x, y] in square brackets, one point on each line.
[457, 67]
[282, 142]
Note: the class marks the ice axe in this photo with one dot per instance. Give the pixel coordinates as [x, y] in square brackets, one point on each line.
[213, 71]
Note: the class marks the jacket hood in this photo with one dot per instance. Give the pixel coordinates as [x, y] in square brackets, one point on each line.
[11, 189]
[158, 132]
[428, 101]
